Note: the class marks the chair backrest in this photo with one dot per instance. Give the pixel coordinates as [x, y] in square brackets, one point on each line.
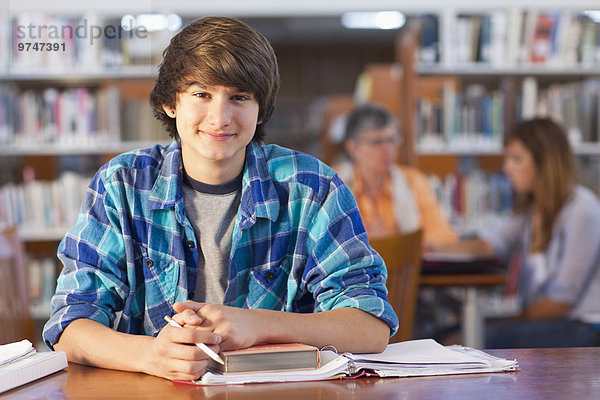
[402, 256]
[15, 320]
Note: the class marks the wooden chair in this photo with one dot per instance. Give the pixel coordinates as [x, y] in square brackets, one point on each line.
[402, 256]
[15, 320]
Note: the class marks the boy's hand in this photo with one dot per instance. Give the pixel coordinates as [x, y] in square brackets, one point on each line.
[173, 354]
[239, 328]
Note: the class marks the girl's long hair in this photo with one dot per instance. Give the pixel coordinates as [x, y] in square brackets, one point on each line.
[556, 176]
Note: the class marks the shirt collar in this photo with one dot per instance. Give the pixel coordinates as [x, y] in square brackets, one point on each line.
[259, 197]
[167, 189]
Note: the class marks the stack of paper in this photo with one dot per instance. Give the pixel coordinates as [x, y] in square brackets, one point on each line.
[14, 351]
[427, 357]
[20, 364]
[411, 358]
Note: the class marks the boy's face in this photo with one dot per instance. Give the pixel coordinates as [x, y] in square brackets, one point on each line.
[215, 125]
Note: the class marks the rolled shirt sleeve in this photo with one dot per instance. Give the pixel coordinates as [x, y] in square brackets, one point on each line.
[342, 270]
[92, 282]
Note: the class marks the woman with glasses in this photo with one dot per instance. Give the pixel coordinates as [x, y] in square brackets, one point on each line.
[392, 198]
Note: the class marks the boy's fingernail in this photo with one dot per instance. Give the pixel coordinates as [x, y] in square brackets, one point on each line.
[218, 338]
[196, 318]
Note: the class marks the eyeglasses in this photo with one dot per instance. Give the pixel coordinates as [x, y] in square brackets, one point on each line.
[378, 141]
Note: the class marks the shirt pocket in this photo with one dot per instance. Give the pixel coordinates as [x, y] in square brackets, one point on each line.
[161, 277]
[267, 287]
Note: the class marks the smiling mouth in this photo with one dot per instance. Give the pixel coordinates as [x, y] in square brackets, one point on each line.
[220, 137]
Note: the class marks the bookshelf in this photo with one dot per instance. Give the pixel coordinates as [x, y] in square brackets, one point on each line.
[62, 115]
[466, 77]
[489, 75]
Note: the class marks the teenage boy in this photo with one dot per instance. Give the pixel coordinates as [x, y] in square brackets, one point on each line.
[246, 243]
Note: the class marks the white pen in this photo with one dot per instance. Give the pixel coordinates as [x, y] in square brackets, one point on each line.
[202, 346]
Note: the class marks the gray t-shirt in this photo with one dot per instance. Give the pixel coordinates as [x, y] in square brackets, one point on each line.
[570, 265]
[211, 210]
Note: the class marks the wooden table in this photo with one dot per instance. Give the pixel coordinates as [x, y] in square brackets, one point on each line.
[545, 374]
[472, 277]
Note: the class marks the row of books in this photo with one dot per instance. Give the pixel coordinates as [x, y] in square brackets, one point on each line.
[477, 117]
[476, 200]
[473, 119]
[73, 117]
[41, 284]
[512, 37]
[37, 205]
[88, 42]
[473, 200]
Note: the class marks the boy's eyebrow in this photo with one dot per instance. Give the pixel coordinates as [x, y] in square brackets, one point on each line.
[209, 87]
[196, 84]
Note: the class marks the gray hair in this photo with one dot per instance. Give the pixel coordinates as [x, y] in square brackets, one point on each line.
[367, 117]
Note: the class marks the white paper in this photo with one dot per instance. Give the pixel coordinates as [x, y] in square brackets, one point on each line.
[328, 370]
[411, 358]
[422, 351]
[15, 351]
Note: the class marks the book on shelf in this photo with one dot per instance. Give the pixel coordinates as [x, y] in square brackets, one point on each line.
[473, 200]
[515, 37]
[37, 205]
[429, 39]
[475, 118]
[75, 44]
[270, 357]
[423, 357]
[41, 284]
[544, 37]
[20, 363]
[66, 116]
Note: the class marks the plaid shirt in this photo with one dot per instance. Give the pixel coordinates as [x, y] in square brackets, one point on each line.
[298, 244]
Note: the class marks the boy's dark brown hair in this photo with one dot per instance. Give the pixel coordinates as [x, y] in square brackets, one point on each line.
[217, 51]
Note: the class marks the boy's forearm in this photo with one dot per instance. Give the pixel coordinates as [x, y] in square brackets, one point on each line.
[348, 329]
[91, 343]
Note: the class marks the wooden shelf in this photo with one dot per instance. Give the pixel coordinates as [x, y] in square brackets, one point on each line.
[489, 70]
[28, 234]
[83, 149]
[137, 72]
[40, 311]
[579, 149]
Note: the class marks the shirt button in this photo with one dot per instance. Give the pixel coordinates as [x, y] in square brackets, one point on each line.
[149, 263]
[191, 244]
[269, 275]
[191, 295]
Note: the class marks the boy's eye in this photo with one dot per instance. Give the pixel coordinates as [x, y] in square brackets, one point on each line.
[240, 97]
[202, 95]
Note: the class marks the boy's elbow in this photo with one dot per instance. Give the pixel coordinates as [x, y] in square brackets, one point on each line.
[379, 337]
[381, 343]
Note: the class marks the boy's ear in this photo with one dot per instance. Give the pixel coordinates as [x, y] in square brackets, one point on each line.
[169, 111]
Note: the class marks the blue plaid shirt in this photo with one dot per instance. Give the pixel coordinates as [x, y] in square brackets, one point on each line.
[298, 244]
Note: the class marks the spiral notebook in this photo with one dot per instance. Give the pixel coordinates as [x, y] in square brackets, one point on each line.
[423, 357]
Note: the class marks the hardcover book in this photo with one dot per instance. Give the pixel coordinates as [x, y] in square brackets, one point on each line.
[272, 357]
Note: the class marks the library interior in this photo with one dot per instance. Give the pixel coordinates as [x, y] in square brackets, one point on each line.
[445, 90]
